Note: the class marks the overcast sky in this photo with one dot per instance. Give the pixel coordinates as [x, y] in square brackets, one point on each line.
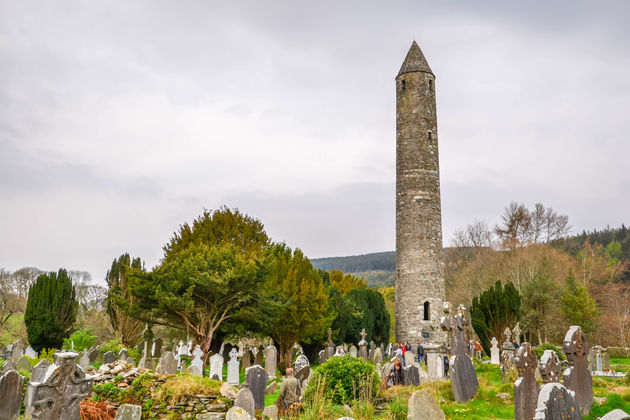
[121, 120]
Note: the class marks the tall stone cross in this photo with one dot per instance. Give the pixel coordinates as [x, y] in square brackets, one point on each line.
[549, 367]
[363, 346]
[363, 334]
[525, 387]
[463, 375]
[517, 333]
[577, 378]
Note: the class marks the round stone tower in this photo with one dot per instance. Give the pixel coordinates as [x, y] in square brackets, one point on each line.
[419, 253]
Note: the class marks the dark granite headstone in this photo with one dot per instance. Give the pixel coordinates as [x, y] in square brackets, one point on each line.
[525, 387]
[60, 392]
[257, 382]
[412, 375]
[462, 371]
[109, 357]
[11, 388]
[577, 378]
[555, 402]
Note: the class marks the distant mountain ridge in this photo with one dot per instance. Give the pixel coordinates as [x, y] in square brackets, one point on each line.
[365, 263]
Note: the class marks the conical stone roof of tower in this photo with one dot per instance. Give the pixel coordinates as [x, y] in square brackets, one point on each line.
[415, 61]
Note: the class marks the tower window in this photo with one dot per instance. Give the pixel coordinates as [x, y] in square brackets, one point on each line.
[427, 311]
[430, 85]
[429, 136]
[403, 84]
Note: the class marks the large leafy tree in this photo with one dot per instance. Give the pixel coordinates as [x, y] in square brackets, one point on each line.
[299, 294]
[51, 309]
[578, 307]
[344, 283]
[198, 290]
[369, 312]
[128, 329]
[493, 310]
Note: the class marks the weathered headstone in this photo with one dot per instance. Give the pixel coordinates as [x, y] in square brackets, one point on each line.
[270, 412]
[339, 351]
[129, 412]
[245, 400]
[60, 392]
[167, 364]
[23, 364]
[140, 347]
[146, 363]
[506, 364]
[302, 374]
[94, 354]
[84, 361]
[196, 361]
[577, 378]
[157, 347]
[233, 367]
[11, 388]
[599, 361]
[463, 375]
[238, 413]
[300, 362]
[616, 414]
[377, 357]
[435, 360]
[329, 349]
[549, 367]
[555, 402]
[108, 358]
[247, 358]
[216, 367]
[494, 352]
[363, 346]
[517, 333]
[353, 351]
[412, 375]
[257, 382]
[409, 358]
[194, 370]
[386, 369]
[271, 355]
[130, 361]
[39, 371]
[30, 352]
[525, 387]
[258, 356]
[123, 354]
[508, 346]
[422, 406]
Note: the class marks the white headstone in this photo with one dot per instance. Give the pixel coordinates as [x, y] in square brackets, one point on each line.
[30, 352]
[233, 367]
[494, 352]
[216, 367]
[196, 361]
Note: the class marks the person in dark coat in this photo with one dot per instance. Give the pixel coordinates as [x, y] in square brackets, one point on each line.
[397, 374]
[420, 351]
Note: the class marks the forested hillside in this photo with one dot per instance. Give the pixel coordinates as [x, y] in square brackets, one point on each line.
[377, 261]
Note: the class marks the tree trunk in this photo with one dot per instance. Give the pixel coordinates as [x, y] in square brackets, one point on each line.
[539, 337]
[284, 351]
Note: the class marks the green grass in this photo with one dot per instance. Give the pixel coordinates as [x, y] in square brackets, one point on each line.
[12, 329]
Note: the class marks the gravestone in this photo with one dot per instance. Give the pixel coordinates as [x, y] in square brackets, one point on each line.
[549, 367]
[140, 347]
[108, 358]
[238, 413]
[60, 392]
[167, 364]
[233, 367]
[517, 333]
[257, 383]
[372, 348]
[271, 355]
[130, 361]
[216, 367]
[378, 356]
[409, 359]
[507, 345]
[435, 360]
[577, 378]
[463, 375]
[270, 412]
[258, 356]
[196, 361]
[84, 361]
[23, 364]
[182, 366]
[94, 354]
[303, 373]
[157, 347]
[39, 371]
[555, 402]
[329, 349]
[11, 388]
[525, 387]
[30, 352]
[363, 351]
[606, 360]
[506, 364]
[123, 354]
[599, 361]
[247, 358]
[129, 412]
[412, 375]
[353, 351]
[301, 362]
[616, 414]
[422, 406]
[145, 363]
[194, 370]
[494, 352]
[339, 351]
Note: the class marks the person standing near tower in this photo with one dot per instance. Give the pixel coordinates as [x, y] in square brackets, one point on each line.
[419, 252]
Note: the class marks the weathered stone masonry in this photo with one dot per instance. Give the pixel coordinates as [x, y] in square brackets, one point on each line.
[419, 258]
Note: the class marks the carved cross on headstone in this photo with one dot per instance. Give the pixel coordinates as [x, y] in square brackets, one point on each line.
[577, 378]
[525, 387]
[549, 367]
[329, 336]
[463, 376]
[517, 333]
[508, 337]
[363, 334]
